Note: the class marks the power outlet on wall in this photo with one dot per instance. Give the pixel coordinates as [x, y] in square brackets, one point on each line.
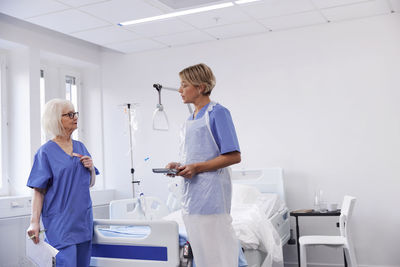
[17, 204]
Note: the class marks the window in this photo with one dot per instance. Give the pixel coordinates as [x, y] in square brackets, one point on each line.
[71, 94]
[3, 129]
[42, 103]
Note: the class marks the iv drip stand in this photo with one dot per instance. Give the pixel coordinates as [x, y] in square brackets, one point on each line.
[131, 151]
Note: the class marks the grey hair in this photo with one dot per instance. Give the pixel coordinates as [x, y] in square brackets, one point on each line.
[51, 119]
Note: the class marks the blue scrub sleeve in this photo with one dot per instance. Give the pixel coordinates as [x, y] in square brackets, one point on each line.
[41, 173]
[96, 171]
[223, 130]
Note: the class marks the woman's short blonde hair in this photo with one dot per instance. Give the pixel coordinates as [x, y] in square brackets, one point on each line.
[199, 74]
[51, 119]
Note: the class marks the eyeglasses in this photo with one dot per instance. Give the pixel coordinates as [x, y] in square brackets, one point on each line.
[71, 115]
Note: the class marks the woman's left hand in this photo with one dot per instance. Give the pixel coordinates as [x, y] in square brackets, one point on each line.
[87, 162]
[187, 171]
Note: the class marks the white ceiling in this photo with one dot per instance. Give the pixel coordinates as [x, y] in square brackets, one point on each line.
[97, 21]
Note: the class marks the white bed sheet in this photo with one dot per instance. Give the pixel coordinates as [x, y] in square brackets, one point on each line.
[251, 211]
[254, 229]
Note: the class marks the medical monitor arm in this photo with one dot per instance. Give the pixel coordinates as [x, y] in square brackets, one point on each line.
[158, 87]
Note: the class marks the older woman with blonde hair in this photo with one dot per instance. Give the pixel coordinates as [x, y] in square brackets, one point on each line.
[61, 175]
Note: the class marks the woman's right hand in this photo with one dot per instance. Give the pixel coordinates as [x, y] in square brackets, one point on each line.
[172, 165]
[33, 232]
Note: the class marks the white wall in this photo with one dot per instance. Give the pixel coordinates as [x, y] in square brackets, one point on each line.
[91, 127]
[320, 102]
[28, 49]
[18, 79]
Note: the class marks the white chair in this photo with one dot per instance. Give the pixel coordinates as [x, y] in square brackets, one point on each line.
[334, 241]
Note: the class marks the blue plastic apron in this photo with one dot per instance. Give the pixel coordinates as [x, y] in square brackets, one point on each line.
[207, 200]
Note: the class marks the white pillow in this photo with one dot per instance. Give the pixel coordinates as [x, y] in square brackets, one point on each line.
[244, 194]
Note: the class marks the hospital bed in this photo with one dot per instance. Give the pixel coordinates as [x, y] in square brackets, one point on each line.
[269, 221]
[150, 242]
[121, 243]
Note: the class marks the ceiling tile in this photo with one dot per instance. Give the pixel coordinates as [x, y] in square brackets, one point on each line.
[293, 21]
[135, 46]
[184, 38]
[216, 17]
[274, 8]
[157, 28]
[68, 21]
[107, 35]
[117, 11]
[334, 3]
[235, 30]
[186, 4]
[395, 4]
[78, 3]
[354, 11]
[28, 8]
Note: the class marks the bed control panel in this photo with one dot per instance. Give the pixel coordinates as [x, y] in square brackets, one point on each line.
[281, 222]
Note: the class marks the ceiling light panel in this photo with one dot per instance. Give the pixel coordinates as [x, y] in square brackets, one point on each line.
[116, 11]
[360, 10]
[177, 14]
[217, 17]
[159, 28]
[274, 8]
[68, 21]
[107, 35]
[27, 8]
[293, 21]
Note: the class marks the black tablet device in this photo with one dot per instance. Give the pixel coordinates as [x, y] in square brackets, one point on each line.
[165, 170]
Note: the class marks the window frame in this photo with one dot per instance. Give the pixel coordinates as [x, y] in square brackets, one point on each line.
[43, 136]
[64, 72]
[4, 189]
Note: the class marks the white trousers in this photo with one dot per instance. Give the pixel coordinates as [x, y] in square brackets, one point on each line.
[213, 240]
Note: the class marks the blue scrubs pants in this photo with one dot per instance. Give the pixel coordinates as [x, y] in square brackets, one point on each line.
[75, 255]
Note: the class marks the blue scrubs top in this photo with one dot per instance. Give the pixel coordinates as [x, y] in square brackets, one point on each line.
[222, 128]
[67, 207]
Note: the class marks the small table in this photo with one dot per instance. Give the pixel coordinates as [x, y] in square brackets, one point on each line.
[305, 212]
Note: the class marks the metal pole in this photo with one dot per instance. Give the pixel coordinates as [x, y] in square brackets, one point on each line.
[131, 151]
[171, 89]
[297, 239]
